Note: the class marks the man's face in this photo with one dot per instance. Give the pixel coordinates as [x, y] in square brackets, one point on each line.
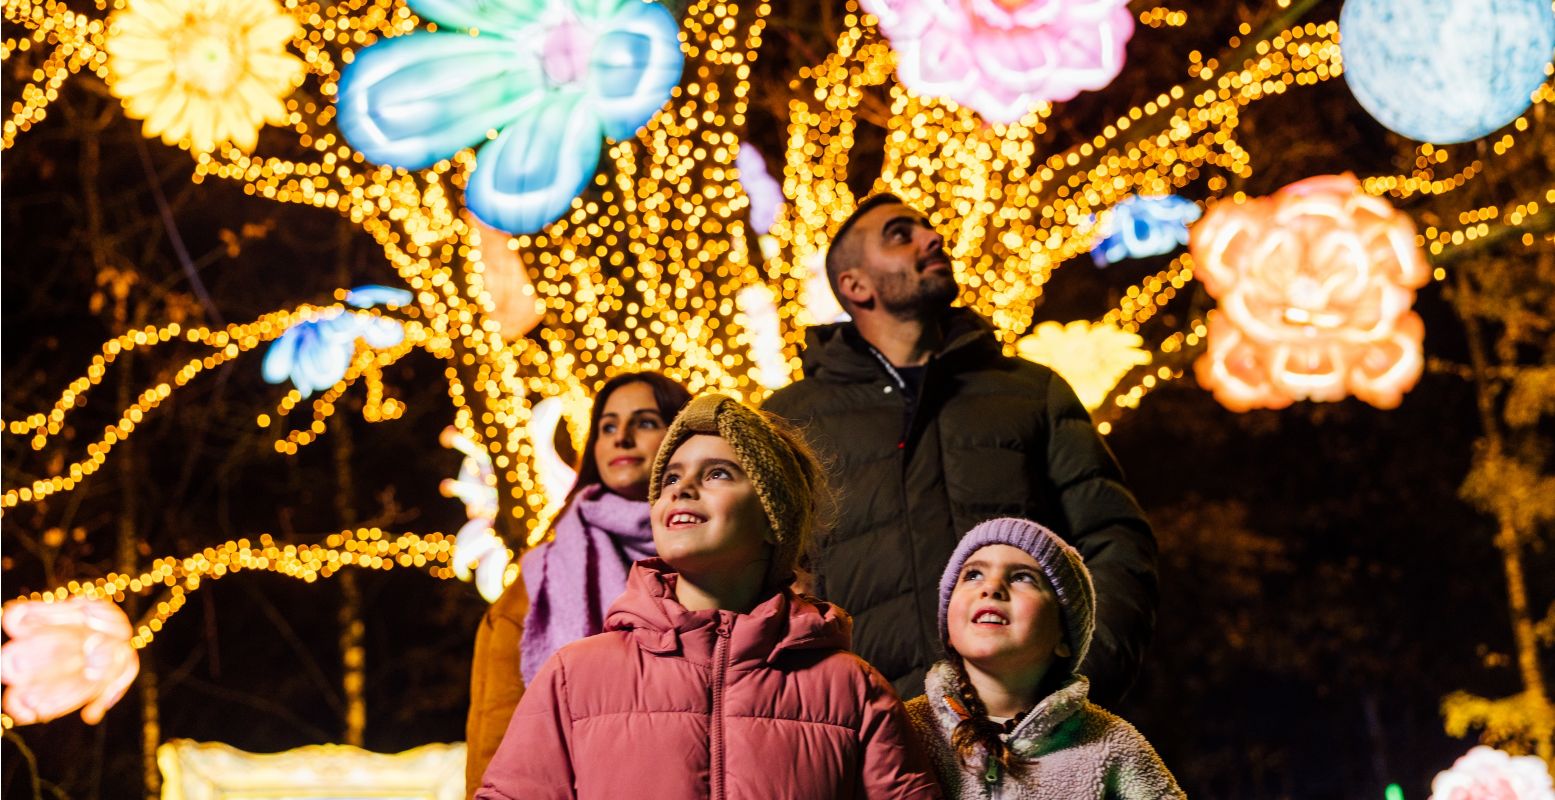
[900, 264]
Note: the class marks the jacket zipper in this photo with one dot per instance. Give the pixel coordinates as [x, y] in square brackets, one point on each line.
[909, 400]
[716, 728]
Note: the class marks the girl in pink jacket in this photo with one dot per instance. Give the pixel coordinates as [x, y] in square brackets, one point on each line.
[712, 678]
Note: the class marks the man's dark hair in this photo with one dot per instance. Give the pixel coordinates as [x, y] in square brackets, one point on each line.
[839, 241]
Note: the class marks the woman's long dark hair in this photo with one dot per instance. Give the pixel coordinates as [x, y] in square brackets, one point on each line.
[668, 395]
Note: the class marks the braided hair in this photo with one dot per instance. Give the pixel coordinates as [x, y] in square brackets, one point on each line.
[976, 732]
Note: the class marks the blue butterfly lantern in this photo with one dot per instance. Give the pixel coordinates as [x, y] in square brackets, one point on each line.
[547, 81]
[315, 354]
[1140, 226]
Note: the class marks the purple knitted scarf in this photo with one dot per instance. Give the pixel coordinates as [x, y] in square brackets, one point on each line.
[574, 577]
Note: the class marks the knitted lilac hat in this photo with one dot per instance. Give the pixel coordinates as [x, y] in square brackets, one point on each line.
[1062, 564]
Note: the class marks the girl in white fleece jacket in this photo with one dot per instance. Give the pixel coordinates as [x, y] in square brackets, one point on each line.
[1006, 715]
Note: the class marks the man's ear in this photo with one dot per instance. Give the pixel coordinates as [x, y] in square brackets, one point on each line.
[855, 288]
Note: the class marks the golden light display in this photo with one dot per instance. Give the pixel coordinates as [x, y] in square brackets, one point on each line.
[1315, 285]
[1091, 357]
[203, 72]
[203, 770]
[647, 269]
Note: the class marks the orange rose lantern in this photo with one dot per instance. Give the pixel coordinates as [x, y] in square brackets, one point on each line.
[1314, 285]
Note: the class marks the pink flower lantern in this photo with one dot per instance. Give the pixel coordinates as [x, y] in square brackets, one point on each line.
[1002, 58]
[63, 656]
[1485, 773]
[1315, 285]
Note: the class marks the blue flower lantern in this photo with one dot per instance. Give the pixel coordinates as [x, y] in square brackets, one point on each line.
[1445, 71]
[545, 80]
[315, 354]
[1140, 226]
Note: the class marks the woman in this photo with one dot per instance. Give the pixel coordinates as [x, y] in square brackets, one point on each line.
[566, 584]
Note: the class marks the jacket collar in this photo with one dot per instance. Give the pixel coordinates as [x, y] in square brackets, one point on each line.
[782, 623]
[1032, 731]
[839, 352]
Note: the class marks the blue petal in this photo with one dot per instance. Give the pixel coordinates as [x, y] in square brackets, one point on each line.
[635, 64]
[277, 366]
[527, 178]
[505, 16]
[414, 100]
[379, 332]
[373, 295]
[320, 364]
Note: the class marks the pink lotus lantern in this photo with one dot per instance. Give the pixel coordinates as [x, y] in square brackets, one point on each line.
[1315, 285]
[1485, 773]
[63, 656]
[1002, 58]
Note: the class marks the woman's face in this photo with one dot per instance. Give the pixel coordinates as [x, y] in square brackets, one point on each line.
[1003, 614]
[630, 430]
[708, 518]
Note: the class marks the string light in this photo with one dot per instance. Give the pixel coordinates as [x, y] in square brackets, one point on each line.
[645, 269]
[369, 548]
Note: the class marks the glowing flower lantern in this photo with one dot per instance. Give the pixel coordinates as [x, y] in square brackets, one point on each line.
[1141, 226]
[1002, 58]
[63, 656]
[1445, 70]
[763, 335]
[765, 193]
[1315, 285]
[514, 304]
[1485, 773]
[1091, 356]
[203, 72]
[551, 81]
[315, 354]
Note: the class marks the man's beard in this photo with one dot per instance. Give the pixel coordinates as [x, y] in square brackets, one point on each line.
[934, 293]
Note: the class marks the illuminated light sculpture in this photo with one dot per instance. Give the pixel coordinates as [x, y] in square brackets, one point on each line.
[555, 474]
[764, 335]
[765, 193]
[1002, 59]
[1091, 357]
[476, 485]
[208, 770]
[65, 655]
[1485, 773]
[315, 354]
[550, 81]
[1445, 71]
[514, 305]
[1314, 285]
[479, 553]
[1142, 226]
[203, 72]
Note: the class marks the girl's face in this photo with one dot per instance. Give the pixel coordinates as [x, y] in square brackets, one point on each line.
[708, 518]
[630, 430]
[1003, 615]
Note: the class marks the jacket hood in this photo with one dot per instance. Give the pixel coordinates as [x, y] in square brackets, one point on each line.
[1032, 731]
[838, 352]
[782, 623]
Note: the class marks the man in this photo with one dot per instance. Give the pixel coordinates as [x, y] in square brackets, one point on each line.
[930, 429]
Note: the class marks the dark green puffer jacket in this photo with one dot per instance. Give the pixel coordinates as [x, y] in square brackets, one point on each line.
[989, 436]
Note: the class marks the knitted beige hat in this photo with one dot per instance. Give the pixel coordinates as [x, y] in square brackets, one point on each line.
[783, 478]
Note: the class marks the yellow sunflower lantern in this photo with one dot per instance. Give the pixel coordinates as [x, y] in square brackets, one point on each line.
[1091, 356]
[203, 72]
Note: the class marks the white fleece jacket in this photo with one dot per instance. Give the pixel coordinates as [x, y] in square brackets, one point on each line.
[1073, 749]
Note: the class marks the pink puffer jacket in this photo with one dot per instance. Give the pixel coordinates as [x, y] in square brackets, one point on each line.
[669, 703]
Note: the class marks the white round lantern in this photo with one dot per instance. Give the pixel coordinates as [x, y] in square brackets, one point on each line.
[1445, 71]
